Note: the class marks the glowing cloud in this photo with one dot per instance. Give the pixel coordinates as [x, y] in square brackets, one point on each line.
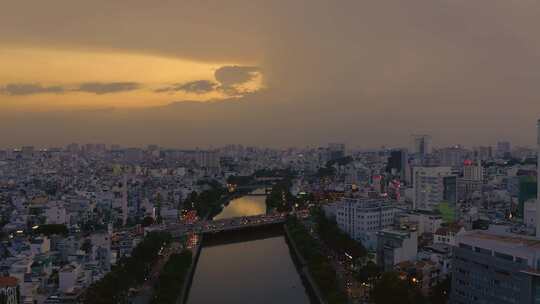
[89, 79]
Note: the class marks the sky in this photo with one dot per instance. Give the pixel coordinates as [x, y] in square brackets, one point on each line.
[269, 73]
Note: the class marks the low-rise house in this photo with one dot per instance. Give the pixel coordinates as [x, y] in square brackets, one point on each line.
[9, 290]
[447, 235]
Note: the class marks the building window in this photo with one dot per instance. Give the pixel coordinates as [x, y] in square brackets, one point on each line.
[504, 256]
[465, 246]
[482, 250]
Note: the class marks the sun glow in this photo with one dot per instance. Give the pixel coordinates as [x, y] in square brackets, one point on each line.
[47, 79]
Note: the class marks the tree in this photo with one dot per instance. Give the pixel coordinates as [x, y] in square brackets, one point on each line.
[369, 273]
[86, 246]
[172, 277]
[129, 272]
[335, 238]
[51, 229]
[440, 292]
[391, 289]
[147, 221]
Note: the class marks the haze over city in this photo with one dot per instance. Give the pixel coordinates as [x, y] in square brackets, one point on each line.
[270, 151]
[268, 73]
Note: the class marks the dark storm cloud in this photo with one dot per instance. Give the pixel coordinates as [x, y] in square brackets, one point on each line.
[197, 87]
[230, 76]
[101, 88]
[21, 89]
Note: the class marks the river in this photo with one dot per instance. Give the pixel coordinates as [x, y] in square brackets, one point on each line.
[258, 270]
[247, 205]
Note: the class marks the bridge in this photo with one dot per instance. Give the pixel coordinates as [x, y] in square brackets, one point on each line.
[256, 189]
[202, 227]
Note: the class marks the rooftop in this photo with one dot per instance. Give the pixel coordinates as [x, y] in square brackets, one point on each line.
[8, 282]
[509, 239]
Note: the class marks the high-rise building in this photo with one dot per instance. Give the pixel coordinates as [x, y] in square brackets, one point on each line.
[452, 156]
[495, 268]
[429, 186]
[421, 145]
[472, 171]
[133, 154]
[397, 162]
[362, 218]
[504, 148]
[208, 159]
[336, 151]
[527, 190]
[472, 181]
[27, 152]
[483, 153]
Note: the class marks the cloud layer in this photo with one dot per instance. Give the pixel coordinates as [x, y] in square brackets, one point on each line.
[366, 73]
[196, 87]
[228, 80]
[100, 88]
[230, 76]
[21, 89]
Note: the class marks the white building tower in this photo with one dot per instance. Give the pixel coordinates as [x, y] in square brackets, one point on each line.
[538, 180]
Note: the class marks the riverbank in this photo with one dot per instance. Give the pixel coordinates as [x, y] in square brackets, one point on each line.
[182, 299]
[309, 282]
[130, 272]
[172, 275]
[323, 275]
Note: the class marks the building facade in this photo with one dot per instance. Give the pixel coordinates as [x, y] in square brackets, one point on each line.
[396, 246]
[9, 290]
[429, 186]
[495, 268]
[362, 218]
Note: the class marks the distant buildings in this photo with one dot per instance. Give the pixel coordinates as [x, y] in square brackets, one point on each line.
[483, 153]
[538, 179]
[208, 159]
[336, 151]
[398, 163]
[504, 149]
[472, 181]
[452, 156]
[421, 145]
[431, 185]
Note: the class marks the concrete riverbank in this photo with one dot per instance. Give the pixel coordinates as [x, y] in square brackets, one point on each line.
[189, 277]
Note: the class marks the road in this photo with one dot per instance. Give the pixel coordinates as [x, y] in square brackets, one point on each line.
[144, 294]
[341, 264]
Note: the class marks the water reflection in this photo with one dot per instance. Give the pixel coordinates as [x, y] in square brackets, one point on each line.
[244, 206]
[259, 271]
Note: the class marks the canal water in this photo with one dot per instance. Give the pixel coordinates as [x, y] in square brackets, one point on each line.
[244, 206]
[257, 270]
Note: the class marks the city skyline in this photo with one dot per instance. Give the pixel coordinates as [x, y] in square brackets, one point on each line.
[270, 151]
[269, 74]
